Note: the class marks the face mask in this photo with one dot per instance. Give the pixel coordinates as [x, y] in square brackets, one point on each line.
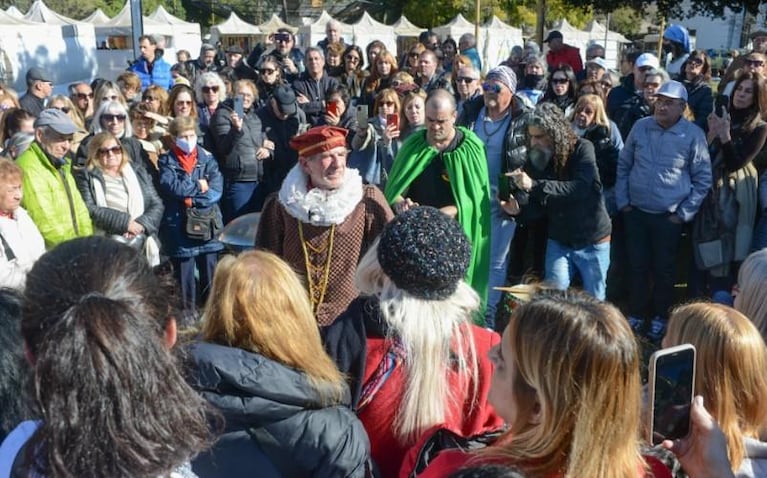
[533, 80]
[539, 158]
[187, 145]
[667, 48]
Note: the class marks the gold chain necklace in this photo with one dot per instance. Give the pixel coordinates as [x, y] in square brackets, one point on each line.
[317, 290]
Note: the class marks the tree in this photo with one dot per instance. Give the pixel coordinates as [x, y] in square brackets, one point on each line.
[674, 8]
[626, 21]
[522, 13]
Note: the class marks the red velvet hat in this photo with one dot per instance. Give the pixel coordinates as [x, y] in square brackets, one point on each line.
[318, 139]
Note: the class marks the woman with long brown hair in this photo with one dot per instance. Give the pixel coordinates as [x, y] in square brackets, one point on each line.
[385, 68]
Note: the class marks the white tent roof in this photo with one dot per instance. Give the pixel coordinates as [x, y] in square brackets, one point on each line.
[234, 25]
[313, 32]
[123, 19]
[275, 22]
[404, 27]
[14, 12]
[40, 13]
[499, 38]
[597, 30]
[163, 16]
[367, 29]
[564, 26]
[10, 19]
[496, 23]
[97, 18]
[457, 27]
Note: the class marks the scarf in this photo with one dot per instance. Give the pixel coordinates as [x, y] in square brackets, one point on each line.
[187, 161]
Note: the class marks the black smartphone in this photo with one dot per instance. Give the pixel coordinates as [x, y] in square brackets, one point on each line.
[672, 388]
[504, 187]
[720, 105]
[238, 106]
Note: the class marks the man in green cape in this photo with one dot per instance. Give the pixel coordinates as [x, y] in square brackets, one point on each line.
[445, 167]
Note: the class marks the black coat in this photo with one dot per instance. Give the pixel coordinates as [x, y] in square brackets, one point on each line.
[279, 132]
[113, 221]
[316, 91]
[275, 425]
[236, 150]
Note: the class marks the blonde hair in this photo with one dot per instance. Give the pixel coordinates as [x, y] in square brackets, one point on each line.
[387, 94]
[752, 298]
[257, 303]
[577, 368]
[730, 371]
[600, 116]
[435, 335]
[96, 143]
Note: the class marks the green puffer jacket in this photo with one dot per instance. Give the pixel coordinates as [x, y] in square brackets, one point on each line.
[55, 206]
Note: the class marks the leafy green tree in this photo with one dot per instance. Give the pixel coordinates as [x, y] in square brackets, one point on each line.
[625, 20]
[674, 8]
[523, 13]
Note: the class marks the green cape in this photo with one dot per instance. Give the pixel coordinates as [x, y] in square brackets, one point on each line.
[469, 181]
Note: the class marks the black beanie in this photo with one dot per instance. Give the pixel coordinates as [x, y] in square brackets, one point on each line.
[424, 252]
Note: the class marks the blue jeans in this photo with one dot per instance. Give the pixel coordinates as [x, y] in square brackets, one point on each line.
[502, 229]
[591, 262]
[760, 233]
[241, 197]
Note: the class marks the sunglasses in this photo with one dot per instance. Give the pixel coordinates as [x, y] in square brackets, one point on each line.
[209, 89]
[113, 150]
[183, 102]
[108, 98]
[83, 96]
[65, 109]
[414, 54]
[387, 103]
[754, 63]
[267, 71]
[494, 87]
[559, 81]
[151, 98]
[464, 79]
[110, 117]
[653, 85]
[694, 63]
[282, 38]
[352, 58]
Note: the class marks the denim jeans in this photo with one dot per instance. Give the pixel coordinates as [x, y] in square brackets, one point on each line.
[591, 262]
[241, 197]
[502, 229]
[760, 233]
[652, 241]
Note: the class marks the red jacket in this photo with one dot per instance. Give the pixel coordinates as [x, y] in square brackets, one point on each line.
[568, 55]
[378, 416]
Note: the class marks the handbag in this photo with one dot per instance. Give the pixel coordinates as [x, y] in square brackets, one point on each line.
[136, 242]
[202, 224]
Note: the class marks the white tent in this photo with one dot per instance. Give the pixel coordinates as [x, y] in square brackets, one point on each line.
[273, 24]
[235, 31]
[311, 34]
[97, 18]
[571, 36]
[612, 41]
[163, 16]
[499, 40]
[368, 29]
[40, 13]
[404, 28]
[14, 12]
[457, 27]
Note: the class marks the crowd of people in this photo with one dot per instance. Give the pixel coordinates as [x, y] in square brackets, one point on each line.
[366, 335]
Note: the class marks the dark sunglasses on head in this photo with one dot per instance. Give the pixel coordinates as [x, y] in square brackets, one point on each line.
[464, 79]
[754, 63]
[494, 87]
[83, 96]
[559, 81]
[110, 117]
[65, 109]
[113, 150]
[208, 89]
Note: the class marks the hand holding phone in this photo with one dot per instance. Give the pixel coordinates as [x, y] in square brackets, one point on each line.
[392, 120]
[362, 114]
[671, 390]
[238, 106]
[332, 108]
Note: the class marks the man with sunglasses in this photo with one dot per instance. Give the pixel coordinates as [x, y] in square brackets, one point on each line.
[444, 166]
[290, 57]
[39, 88]
[499, 119]
[628, 95]
[467, 86]
[754, 62]
[235, 68]
[758, 45]
[81, 95]
[51, 196]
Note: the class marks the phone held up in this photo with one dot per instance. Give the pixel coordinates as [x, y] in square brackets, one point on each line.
[332, 108]
[238, 106]
[720, 105]
[362, 115]
[392, 120]
[671, 390]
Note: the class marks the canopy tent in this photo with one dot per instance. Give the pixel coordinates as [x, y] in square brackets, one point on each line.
[14, 12]
[612, 41]
[97, 18]
[311, 34]
[407, 33]
[163, 16]
[40, 13]
[499, 38]
[177, 36]
[368, 29]
[273, 24]
[235, 31]
[455, 28]
[571, 36]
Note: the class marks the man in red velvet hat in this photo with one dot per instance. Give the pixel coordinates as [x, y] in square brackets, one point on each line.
[323, 219]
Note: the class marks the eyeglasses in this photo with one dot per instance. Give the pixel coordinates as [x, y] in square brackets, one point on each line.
[352, 58]
[65, 109]
[209, 89]
[113, 150]
[151, 98]
[754, 63]
[559, 81]
[110, 117]
[183, 102]
[386, 103]
[492, 87]
[464, 79]
[84, 96]
[267, 71]
[108, 98]
[695, 62]
[282, 38]
[414, 54]
[652, 85]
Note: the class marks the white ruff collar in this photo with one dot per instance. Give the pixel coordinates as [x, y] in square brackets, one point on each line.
[320, 207]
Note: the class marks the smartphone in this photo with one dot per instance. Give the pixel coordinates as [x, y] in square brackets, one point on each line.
[392, 120]
[238, 107]
[672, 387]
[332, 108]
[720, 105]
[504, 187]
[362, 115]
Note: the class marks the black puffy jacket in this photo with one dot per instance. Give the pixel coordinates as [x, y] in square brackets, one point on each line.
[275, 425]
[236, 150]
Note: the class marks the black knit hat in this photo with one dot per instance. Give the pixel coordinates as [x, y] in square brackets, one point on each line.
[424, 252]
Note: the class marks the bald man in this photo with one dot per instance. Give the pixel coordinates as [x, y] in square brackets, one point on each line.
[444, 166]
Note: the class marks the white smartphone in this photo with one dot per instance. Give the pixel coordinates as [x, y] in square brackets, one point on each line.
[671, 390]
[362, 115]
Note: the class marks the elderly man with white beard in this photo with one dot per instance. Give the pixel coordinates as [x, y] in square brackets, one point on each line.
[561, 182]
